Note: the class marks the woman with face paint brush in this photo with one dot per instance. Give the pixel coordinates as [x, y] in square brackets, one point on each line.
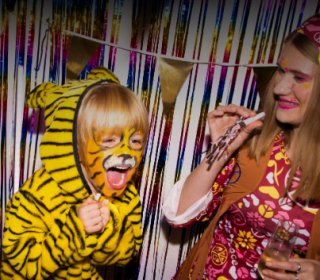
[258, 174]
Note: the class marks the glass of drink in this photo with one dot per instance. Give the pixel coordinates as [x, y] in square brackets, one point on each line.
[280, 244]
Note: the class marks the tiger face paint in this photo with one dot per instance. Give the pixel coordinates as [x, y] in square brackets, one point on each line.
[112, 159]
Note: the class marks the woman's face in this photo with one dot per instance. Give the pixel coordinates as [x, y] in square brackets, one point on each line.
[294, 82]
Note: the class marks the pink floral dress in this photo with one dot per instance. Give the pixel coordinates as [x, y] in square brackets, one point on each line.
[242, 233]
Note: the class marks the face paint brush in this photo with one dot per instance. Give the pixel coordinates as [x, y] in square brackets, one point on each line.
[220, 146]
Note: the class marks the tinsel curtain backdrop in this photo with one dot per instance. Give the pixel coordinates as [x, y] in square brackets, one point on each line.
[181, 57]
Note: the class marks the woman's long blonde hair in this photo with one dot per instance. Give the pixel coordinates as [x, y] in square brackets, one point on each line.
[306, 147]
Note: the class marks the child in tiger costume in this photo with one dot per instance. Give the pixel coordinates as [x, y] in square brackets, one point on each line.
[56, 226]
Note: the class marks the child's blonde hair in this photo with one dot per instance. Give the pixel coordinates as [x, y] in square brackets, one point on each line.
[109, 106]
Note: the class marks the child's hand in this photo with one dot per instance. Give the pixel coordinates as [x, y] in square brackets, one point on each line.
[94, 215]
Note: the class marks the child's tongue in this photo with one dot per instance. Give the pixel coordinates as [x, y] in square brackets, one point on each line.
[116, 179]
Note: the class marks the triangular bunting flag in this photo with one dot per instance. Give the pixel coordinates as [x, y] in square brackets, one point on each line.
[79, 52]
[173, 74]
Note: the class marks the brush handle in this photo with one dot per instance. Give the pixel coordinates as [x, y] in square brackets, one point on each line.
[255, 118]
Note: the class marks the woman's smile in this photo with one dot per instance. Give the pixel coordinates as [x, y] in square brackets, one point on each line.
[286, 104]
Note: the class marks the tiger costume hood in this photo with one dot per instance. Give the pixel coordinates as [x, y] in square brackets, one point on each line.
[43, 237]
[58, 149]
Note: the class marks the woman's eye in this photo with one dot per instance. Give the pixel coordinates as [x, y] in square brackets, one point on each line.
[299, 79]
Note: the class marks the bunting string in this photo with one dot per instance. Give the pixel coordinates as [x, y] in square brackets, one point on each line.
[149, 53]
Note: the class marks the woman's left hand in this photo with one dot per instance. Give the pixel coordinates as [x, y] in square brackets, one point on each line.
[295, 269]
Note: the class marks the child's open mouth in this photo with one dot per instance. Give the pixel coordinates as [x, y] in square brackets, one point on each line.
[117, 176]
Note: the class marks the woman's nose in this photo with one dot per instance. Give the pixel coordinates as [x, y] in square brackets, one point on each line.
[283, 85]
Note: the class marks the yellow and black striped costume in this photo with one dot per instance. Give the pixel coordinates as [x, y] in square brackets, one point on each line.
[43, 237]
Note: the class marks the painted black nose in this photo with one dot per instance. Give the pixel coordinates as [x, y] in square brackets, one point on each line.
[125, 156]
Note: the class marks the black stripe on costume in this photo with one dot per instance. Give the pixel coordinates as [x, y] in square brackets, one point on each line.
[19, 218]
[135, 207]
[124, 199]
[135, 222]
[62, 169]
[72, 259]
[50, 110]
[49, 249]
[30, 242]
[114, 257]
[112, 221]
[62, 256]
[57, 156]
[91, 246]
[65, 108]
[75, 275]
[130, 250]
[43, 205]
[43, 172]
[131, 190]
[29, 183]
[71, 194]
[59, 130]
[136, 214]
[60, 99]
[67, 232]
[127, 197]
[102, 256]
[65, 120]
[78, 233]
[45, 273]
[31, 199]
[53, 110]
[48, 143]
[44, 183]
[56, 202]
[70, 180]
[7, 274]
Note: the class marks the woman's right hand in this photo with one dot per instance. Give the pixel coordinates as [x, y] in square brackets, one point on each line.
[201, 179]
[220, 119]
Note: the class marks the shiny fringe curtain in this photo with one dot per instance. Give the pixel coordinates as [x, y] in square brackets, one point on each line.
[218, 43]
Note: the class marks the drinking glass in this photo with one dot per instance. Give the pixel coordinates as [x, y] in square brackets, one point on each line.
[280, 244]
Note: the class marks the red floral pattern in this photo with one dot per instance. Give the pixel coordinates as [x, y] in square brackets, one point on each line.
[242, 233]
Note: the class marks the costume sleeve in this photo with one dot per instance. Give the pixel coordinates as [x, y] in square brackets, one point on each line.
[121, 250]
[36, 244]
[203, 208]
